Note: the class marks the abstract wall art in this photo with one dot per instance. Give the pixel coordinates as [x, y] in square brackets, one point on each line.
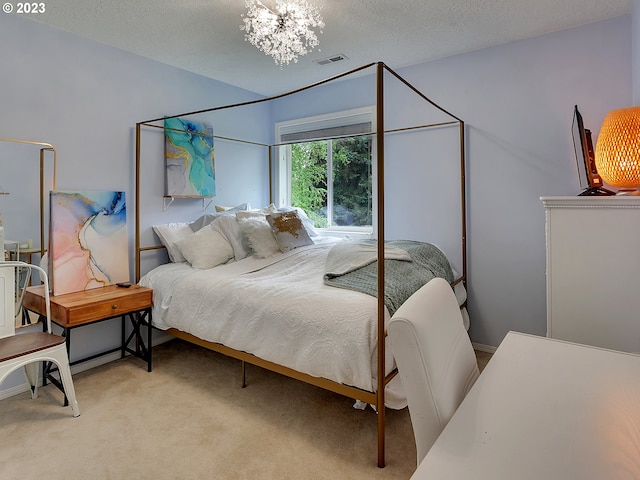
[189, 158]
[89, 243]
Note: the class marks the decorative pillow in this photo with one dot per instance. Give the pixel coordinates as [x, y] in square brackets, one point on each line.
[243, 206]
[288, 230]
[260, 236]
[229, 227]
[206, 219]
[206, 248]
[169, 234]
[203, 221]
[269, 208]
[306, 221]
[256, 213]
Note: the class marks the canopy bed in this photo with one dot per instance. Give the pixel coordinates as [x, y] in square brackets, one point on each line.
[309, 321]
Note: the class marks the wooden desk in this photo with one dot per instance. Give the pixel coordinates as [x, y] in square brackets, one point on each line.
[73, 310]
[544, 409]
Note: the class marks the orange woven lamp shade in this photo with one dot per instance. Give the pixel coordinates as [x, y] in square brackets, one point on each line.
[618, 148]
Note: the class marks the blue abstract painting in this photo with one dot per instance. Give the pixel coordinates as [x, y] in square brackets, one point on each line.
[189, 158]
[89, 243]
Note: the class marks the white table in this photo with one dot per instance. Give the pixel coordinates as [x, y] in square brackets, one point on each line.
[544, 409]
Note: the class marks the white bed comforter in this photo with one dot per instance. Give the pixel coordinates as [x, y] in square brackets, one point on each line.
[278, 309]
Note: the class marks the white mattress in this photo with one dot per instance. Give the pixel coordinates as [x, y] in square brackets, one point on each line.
[280, 310]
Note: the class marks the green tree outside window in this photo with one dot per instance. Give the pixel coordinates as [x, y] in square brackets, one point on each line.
[351, 174]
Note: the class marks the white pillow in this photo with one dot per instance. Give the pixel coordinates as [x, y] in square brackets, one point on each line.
[260, 236]
[207, 218]
[169, 234]
[256, 213]
[230, 228]
[206, 248]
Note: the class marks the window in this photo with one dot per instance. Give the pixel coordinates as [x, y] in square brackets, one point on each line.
[326, 168]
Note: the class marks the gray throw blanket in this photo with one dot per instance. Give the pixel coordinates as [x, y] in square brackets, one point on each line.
[402, 277]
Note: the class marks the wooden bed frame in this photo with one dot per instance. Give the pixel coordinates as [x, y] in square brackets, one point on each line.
[374, 398]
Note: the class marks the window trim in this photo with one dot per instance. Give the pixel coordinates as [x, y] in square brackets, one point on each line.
[317, 123]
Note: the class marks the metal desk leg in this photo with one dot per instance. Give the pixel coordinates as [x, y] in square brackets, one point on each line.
[122, 341]
[142, 349]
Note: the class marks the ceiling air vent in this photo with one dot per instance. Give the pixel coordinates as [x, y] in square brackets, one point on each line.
[332, 59]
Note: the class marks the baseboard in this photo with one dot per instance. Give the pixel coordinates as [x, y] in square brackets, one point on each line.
[17, 390]
[81, 367]
[484, 348]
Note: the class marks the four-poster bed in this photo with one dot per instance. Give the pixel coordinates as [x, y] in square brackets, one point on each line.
[382, 372]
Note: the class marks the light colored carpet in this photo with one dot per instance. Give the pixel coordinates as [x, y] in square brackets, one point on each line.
[189, 419]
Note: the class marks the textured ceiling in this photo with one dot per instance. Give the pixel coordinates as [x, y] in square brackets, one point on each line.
[203, 36]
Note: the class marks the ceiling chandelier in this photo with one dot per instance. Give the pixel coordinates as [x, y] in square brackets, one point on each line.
[285, 33]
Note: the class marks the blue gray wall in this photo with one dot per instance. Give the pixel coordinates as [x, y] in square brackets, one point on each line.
[85, 98]
[636, 51]
[516, 100]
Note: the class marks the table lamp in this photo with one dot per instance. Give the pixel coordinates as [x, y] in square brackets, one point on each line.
[618, 150]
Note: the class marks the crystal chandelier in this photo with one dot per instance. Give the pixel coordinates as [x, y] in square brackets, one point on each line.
[284, 34]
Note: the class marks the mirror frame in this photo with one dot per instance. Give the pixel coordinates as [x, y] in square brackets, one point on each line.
[45, 147]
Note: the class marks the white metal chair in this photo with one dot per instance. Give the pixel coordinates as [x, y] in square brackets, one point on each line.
[29, 349]
[435, 359]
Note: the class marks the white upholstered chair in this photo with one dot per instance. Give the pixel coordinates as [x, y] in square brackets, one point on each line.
[29, 349]
[436, 361]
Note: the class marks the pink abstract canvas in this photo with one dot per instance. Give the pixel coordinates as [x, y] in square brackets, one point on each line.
[88, 240]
